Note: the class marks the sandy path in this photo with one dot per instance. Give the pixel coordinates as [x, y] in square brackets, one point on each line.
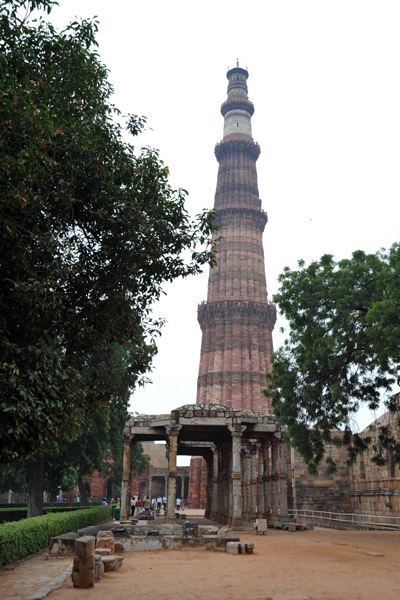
[323, 565]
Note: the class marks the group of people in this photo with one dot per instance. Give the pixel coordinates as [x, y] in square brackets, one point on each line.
[137, 505]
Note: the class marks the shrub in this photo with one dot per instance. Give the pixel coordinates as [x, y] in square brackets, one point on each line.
[22, 538]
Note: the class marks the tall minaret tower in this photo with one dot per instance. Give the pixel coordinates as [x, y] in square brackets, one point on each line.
[237, 320]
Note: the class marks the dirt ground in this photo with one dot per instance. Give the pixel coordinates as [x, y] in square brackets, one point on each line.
[319, 564]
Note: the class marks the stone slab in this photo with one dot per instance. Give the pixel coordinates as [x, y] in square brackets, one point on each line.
[111, 563]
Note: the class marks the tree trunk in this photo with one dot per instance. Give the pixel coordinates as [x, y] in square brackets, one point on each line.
[82, 491]
[35, 487]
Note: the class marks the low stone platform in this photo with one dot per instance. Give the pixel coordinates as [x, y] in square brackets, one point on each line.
[146, 537]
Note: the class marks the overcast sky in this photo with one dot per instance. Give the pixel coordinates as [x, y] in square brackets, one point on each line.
[324, 79]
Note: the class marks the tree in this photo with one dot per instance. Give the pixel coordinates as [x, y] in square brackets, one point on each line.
[89, 231]
[342, 351]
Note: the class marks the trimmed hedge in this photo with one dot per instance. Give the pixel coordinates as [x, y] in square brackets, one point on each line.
[16, 514]
[22, 538]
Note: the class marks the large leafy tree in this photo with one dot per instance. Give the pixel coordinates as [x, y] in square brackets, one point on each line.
[89, 231]
[342, 350]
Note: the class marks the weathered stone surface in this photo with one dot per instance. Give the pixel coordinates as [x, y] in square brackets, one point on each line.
[83, 569]
[117, 531]
[261, 525]
[246, 547]
[240, 547]
[105, 539]
[232, 548]
[63, 544]
[118, 547]
[103, 551]
[98, 568]
[208, 530]
[112, 563]
[105, 534]
[92, 530]
[147, 544]
[292, 527]
[106, 543]
[279, 525]
[190, 528]
[227, 535]
[84, 547]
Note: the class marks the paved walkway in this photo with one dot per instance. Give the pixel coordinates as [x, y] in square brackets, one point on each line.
[34, 577]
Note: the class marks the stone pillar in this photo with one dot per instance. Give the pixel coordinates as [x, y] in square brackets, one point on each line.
[235, 516]
[126, 480]
[275, 480]
[220, 486]
[253, 481]
[260, 483]
[246, 467]
[267, 480]
[209, 482]
[214, 494]
[283, 478]
[173, 432]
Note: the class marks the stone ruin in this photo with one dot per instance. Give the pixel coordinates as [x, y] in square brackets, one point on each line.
[245, 452]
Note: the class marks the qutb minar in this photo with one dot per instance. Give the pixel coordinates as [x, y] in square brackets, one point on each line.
[237, 319]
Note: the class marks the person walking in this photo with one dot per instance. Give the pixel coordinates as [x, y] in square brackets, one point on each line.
[138, 506]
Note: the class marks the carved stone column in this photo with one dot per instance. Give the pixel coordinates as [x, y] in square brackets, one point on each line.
[283, 478]
[246, 466]
[260, 483]
[275, 480]
[214, 495]
[267, 480]
[173, 432]
[209, 489]
[235, 515]
[126, 480]
[253, 481]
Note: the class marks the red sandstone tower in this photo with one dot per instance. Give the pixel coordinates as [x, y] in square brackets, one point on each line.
[237, 320]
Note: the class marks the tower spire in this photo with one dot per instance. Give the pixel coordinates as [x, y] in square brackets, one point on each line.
[237, 320]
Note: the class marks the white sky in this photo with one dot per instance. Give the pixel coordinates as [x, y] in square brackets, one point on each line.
[324, 79]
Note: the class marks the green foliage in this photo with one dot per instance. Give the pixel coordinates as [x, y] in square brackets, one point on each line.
[342, 351]
[22, 538]
[90, 229]
[16, 514]
[140, 461]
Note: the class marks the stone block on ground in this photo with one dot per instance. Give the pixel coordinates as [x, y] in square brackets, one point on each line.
[232, 547]
[103, 551]
[111, 563]
[98, 567]
[240, 547]
[105, 539]
[292, 527]
[63, 544]
[261, 526]
[83, 570]
[118, 547]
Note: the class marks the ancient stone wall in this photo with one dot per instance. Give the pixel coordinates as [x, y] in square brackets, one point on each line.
[376, 489]
[327, 492]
